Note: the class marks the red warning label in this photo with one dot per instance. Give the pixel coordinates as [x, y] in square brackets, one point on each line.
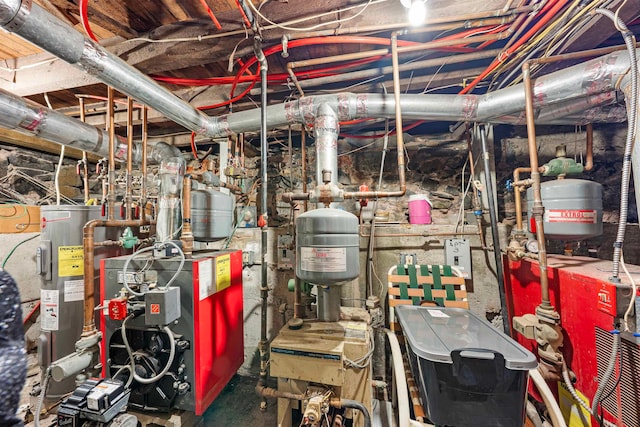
[155, 308]
[580, 216]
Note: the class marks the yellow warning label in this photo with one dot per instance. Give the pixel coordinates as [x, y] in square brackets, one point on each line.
[223, 272]
[574, 414]
[70, 261]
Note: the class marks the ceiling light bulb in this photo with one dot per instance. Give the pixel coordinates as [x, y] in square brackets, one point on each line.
[417, 13]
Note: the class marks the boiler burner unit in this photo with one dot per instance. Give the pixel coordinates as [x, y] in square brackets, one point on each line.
[195, 325]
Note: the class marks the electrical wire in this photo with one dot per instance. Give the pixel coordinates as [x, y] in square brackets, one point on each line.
[323, 24]
[632, 300]
[172, 353]
[84, 18]
[6, 259]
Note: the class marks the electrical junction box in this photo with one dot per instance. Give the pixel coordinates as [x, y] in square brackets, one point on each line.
[457, 253]
[286, 253]
[162, 306]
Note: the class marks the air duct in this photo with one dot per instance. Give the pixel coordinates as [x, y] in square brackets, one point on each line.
[36, 25]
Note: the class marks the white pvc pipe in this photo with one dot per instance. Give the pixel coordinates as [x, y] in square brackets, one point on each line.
[547, 396]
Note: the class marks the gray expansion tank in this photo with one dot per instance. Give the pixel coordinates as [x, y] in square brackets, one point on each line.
[327, 246]
[211, 215]
[572, 209]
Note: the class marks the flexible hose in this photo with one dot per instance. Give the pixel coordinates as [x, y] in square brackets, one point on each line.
[43, 392]
[629, 41]
[400, 378]
[354, 404]
[572, 390]
[138, 378]
[607, 374]
[548, 398]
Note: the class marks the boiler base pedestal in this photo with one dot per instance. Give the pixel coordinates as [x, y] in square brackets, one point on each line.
[315, 358]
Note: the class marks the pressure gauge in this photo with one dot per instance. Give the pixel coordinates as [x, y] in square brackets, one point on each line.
[532, 246]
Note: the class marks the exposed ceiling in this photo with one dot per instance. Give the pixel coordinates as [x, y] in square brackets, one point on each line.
[174, 40]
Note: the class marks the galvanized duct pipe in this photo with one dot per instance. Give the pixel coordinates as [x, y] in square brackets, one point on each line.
[586, 79]
[33, 23]
[22, 115]
[326, 129]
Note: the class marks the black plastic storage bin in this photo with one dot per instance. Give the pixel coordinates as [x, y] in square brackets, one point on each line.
[470, 374]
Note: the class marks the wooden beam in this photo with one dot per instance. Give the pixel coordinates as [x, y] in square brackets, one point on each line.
[31, 142]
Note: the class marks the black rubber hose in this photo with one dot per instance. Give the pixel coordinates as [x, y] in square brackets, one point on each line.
[353, 404]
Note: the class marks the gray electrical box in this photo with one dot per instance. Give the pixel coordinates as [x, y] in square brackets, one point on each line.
[162, 306]
[457, 253]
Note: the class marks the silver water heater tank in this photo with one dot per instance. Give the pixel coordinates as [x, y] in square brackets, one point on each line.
[327, 246]
[572, 209]
[60, 263]
[211, 215]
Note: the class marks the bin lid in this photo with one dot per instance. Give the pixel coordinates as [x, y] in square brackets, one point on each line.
[433, 333]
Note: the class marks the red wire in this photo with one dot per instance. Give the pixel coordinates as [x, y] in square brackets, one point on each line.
[83, 6]
[211, 15]
[557, 6]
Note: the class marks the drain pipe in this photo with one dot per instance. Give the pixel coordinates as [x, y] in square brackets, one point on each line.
[264, 217]
[493, 215]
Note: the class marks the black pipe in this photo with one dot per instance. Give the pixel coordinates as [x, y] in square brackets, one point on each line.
[493, 215]
[353, 404]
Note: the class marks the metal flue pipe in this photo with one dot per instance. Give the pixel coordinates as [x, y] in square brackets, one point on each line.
[34, 24]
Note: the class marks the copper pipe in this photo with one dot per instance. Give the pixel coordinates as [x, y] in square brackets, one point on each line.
[85, 161]
[290, 197]
[143, 167]
[421, 234]
[187, 233]
[538, 208]
[303, 154]
[89, 245]
[128, 198]
[111, 177]
[588, 164]
[517, 195]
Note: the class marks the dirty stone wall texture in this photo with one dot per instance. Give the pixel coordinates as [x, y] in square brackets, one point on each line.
[433, 168]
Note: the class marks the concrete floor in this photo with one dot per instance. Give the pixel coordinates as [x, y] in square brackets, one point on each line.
[237, 405]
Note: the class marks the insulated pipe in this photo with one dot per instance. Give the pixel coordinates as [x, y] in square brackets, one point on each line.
[25, 116]
[497, 253]
[326, 129]
[34, 24]
[585, 79]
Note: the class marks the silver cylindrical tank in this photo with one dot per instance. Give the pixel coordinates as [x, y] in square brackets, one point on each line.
[60, 263]
[572, 209]
[327, 246]
[211, 215]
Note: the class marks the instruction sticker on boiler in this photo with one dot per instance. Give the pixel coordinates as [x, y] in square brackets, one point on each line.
[205, 278]
[223, 272]
[323, 259]
[70, 261]
[50, 309]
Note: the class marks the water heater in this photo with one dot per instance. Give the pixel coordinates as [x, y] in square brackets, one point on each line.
[572, 209]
